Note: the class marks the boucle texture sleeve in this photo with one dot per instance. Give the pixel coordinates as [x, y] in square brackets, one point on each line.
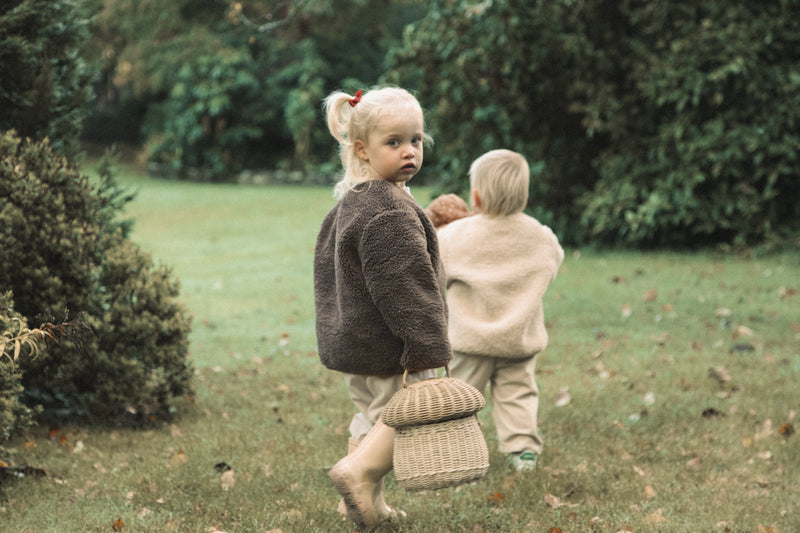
[379, 285]
[498, 270]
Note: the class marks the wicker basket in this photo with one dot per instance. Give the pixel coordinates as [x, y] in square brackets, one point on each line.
[438, 440]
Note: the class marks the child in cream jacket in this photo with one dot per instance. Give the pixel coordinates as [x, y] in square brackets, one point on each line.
[499, 264]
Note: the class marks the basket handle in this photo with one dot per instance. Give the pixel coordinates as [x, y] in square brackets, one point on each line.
[405, 374]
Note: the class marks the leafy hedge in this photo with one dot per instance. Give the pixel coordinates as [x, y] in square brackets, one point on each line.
[649, 123]
[45, 84]
[66, 252]
[14, 416]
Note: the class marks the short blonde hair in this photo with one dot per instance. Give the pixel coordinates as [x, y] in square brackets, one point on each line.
[350, 122]
[502, 178]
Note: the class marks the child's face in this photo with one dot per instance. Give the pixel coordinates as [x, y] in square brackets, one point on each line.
[394, 147]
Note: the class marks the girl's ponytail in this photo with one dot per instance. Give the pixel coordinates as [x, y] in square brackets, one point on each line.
[337, 113]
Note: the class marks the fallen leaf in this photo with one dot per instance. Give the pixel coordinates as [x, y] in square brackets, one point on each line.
[787, 430]
[555, 503]
[723, 312]
[693, 464]
[656, 518]
[118, 525]
[228, 480]
[650, 295]
[649, 492]
[496, 498]
[626, 310]
[742, 331]
[742, 347]
[786, 292]
[720, 373]
[563, 397]
[649, 398]
[763, 430]
[178, 459]
[222, 467]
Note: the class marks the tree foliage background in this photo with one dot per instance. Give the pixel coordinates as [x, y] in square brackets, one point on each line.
[650, 123]
[646, 123]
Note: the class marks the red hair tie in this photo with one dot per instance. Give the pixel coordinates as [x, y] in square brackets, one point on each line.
[357, 98]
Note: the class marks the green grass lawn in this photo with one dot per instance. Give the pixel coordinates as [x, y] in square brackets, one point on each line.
[669, 395]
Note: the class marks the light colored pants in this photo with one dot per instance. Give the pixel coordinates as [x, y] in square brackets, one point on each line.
[372, 393]
[515, 397]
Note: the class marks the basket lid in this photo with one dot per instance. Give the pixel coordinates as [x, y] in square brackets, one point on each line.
[432, 400]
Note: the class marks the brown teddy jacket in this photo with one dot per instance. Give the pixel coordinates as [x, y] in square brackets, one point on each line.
[379, 285]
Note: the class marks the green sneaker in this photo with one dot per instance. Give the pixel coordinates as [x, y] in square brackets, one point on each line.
[523, 461]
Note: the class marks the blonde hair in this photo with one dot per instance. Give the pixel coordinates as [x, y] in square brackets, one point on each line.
[349, 123]
[501, 178]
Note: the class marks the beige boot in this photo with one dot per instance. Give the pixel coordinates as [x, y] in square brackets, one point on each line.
[359, 477]
[352, 444]
[380, 504]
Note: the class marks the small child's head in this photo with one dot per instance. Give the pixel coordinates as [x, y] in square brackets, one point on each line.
[499, 180]
[355, 120]
[445, 209]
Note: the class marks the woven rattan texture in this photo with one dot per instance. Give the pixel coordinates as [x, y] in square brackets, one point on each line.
[432, 400]
[435, 456]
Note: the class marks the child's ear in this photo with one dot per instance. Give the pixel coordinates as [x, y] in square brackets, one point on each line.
[476, 200]
[361, 149]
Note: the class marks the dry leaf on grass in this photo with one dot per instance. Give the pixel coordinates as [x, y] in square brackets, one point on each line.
[555, 503]
[178, 459]
[563, 397]
[228, 480]
[720, 373]
[656, 518]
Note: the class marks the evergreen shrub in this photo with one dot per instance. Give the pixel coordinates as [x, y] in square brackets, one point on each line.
[14, 416]
[66, 251]
[45, 84]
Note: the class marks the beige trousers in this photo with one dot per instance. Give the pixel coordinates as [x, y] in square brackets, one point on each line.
[514, 394]
[372, 393]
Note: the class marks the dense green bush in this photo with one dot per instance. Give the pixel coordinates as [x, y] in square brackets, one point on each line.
[45, 84]
[14, 416]
[260, 67]
[210, 115]
[650, 123]
[65, 251]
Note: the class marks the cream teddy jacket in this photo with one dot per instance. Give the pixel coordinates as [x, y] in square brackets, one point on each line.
[498, 269]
